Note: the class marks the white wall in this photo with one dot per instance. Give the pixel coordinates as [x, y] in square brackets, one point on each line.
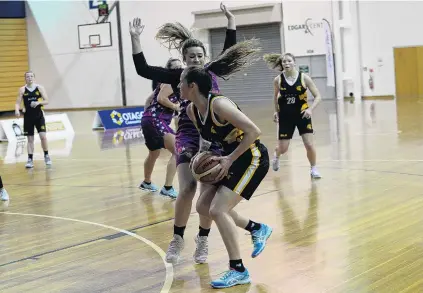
[73, 78]
[385, 25]
[154, 15]
[295, 14]
[77, 78]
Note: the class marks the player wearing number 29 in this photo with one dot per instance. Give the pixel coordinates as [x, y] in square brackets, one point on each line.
[291, 107]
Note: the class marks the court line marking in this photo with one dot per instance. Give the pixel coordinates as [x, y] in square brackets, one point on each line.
[282, 160]
[83, 243]
[169, 267]
[149, 225]
[361, 169]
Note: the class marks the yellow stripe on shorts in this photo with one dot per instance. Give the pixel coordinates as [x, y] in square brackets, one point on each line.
[249, 173]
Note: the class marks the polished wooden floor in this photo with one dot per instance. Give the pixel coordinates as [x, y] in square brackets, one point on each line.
[359, 229]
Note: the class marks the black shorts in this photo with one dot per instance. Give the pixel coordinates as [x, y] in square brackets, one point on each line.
[153, 130]
[31, 122]
[288, 123]
[247, 172]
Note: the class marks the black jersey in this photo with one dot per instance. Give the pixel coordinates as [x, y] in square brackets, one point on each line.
[171, 76]
[292, 98]
[227, 136]
[28, 98]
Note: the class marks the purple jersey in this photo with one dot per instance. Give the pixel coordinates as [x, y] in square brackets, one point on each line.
[185, 124]
[187, 140]
[156, 110]
[187, 137]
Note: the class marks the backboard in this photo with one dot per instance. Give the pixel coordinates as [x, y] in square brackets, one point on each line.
[94, 35]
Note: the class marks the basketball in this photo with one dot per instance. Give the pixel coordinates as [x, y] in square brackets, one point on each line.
[203, 168]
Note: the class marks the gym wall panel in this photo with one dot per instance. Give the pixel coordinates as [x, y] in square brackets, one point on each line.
[385, 25]
[73, 77]
[256, 81]
[13, 60]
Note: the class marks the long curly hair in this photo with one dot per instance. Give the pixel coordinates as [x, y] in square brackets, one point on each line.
[233, 60]
[176, 36]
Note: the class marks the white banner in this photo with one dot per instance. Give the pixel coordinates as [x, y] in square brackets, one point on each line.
[58, 127]
[303, 26]
[330, 67]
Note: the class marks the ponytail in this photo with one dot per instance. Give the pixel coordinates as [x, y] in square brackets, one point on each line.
[176, 36]
[234, 59]
[274, 61]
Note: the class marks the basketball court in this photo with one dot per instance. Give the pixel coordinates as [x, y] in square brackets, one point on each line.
[84, 226]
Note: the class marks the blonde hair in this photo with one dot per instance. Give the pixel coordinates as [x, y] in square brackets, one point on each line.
[235, 58]
[232, 60]
[274, 60]
[176, 36]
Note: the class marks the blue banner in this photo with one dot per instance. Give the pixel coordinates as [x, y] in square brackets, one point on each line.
[93, 4]
[121, 118]
[12, 9]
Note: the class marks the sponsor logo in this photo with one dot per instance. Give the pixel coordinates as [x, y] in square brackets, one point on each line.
[120, 118]
[128, 118]
[55, 126]
[127, 134]
[308, 26]
[121, 137]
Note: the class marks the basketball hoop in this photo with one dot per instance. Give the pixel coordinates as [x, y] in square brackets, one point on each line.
[93, 45]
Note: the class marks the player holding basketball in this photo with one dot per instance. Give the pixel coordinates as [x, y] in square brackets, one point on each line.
[291, 107]
[244, 162]
[34, 97]
[187, 137]
[155, 124]
[4, 196]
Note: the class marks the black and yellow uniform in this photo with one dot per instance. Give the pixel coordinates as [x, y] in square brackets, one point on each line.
[292, 101]
[247, 172]
[33, 117]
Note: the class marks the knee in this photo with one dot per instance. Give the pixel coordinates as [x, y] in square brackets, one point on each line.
[153, 155]
[309, 146]
[283, 148]
[187, 189]
[202, 208]
[215, 212]
[43, 136]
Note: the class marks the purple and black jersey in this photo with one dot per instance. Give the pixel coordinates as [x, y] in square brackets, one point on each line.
[157, 110]
[187, 136]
